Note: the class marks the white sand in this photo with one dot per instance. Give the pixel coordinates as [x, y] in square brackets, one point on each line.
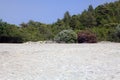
[99, 61]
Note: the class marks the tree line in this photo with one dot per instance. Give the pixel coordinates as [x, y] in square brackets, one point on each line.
[103, 21]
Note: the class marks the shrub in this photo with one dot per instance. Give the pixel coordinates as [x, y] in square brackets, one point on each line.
[8, 39]
[101, 32]
[66, 36]
[114, 35]
[86, 37]
[110, 25]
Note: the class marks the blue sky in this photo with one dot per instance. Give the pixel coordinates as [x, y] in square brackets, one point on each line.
[46, 11]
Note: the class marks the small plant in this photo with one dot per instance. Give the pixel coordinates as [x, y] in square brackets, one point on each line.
[66, 36]
[86, 37]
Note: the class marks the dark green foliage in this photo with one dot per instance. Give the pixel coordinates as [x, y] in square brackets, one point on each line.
[23, 25]
[86, 37]
[110, 25]
[31, 31]
[102, 14]
[9, 33]
[115, 35]
[90, 9]
[88, 19]
[66, 19]
[58, 27]
[75, 23]
[108, 13]
[101, 32]
[66, 36]
[36, 31]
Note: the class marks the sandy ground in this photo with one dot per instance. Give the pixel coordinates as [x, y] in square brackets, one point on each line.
[35, 61]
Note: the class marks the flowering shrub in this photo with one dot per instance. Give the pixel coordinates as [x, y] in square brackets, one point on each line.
[86, 37]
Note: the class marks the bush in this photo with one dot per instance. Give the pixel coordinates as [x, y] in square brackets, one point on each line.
[110, 25]
[86, 37]
[7, 39]
[66, 36]
[101, 32]
[114, 35]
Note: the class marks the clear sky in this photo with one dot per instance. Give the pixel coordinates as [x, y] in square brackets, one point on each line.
[46, 11]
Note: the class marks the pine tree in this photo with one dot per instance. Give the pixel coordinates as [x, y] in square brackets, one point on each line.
[67, 18]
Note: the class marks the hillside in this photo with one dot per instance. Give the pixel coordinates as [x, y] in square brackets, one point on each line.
[103, 21]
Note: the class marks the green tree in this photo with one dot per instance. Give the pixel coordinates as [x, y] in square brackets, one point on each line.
[90, 9]
[102, 14]
[23, 25]
[88, 19]
[67, 18]
[9, 33]
[75, 23]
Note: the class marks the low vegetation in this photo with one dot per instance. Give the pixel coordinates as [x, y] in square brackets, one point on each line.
[66, 36]
[86, 37]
